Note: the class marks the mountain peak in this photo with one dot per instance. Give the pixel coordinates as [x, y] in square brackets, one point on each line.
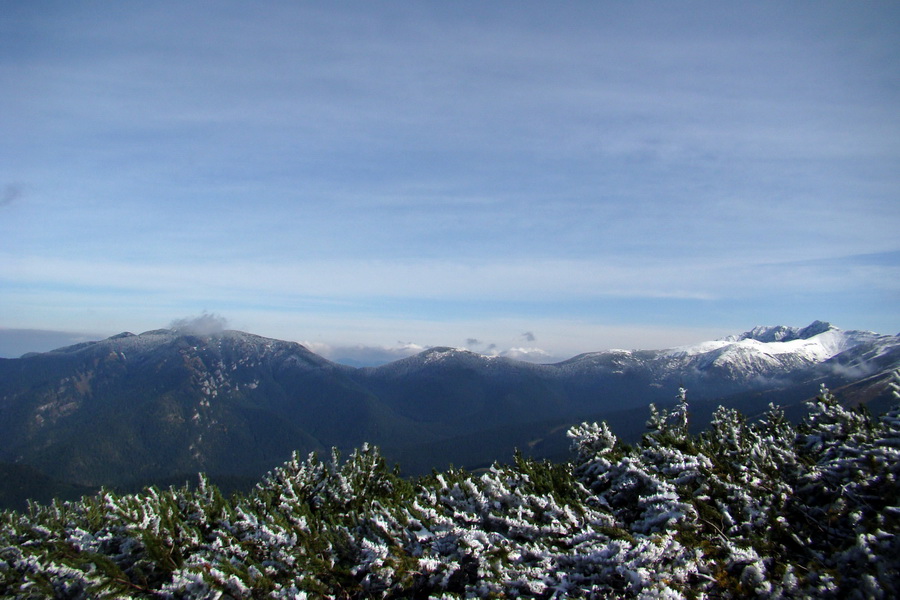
[814, 328]
[782, 333]
[444, 353]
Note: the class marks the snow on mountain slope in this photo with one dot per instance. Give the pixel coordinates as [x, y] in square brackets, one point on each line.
[782, 333]
[816, 343]
[763, 353]
[237, 348]
[441, 357]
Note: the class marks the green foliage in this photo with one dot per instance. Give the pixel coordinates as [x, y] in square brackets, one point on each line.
[745, 509]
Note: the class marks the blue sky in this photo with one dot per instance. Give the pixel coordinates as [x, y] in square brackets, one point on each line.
[374, 178]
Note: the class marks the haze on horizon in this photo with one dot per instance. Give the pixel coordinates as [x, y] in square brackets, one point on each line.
[509, 177]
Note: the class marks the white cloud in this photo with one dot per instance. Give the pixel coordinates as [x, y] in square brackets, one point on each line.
[203, 324]
[535, 355]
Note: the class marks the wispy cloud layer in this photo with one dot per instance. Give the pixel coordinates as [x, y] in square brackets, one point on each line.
[708, 164]
[345, 280]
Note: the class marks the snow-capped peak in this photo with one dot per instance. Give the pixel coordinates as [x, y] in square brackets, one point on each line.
[782, 333]
[816, 342]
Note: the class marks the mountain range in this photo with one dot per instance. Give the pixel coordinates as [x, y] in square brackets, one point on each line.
[163, 405]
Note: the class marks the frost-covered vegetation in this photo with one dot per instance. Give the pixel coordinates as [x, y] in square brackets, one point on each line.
[763, 509]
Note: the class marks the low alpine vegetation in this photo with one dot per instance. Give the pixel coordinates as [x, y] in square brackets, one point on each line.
[763, 509]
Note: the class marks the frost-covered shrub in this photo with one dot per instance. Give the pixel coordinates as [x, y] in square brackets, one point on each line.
[590, 440]
[667, 427]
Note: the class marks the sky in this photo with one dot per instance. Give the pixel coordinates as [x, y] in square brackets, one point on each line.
[530, 179]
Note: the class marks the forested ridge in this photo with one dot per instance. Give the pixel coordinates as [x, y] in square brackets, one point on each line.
[745, 509]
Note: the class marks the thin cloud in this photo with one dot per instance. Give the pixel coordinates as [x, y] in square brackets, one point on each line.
[10, 193]
[203, 324]
[354, 281]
